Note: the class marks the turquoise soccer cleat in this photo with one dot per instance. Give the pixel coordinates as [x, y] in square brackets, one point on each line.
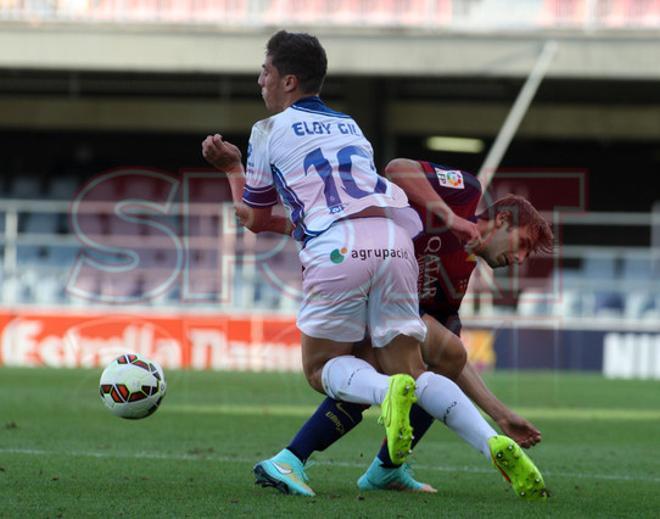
[517, 468]
[285, 472]
[395, 416]
[400, 478]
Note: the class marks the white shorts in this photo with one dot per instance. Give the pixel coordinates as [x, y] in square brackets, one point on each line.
[360, 276]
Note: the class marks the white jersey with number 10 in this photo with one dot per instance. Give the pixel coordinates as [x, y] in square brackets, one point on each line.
[320, 165]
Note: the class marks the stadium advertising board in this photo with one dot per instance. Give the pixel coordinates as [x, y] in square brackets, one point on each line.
[615, 353]
[215, 342]
[272, 343]
[218, 342]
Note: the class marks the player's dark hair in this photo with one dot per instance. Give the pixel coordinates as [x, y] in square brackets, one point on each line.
[300, 54]
[523, 214]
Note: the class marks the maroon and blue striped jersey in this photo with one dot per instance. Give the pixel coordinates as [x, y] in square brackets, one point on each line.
[444, 265]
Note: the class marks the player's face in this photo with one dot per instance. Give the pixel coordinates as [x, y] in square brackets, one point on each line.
[272, 86]
[506, 245]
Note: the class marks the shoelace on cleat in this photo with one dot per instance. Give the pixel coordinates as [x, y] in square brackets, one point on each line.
[386, 419]
[308, 465]
[408, 475]
[407, 468]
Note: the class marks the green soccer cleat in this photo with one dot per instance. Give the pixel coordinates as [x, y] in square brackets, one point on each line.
[395, 416]
[400, 478]
[517, 468]
[285, 472]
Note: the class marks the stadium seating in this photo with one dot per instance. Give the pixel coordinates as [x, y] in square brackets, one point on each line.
[605, 284]
[602, 269]
[39, 223]
[416, 13]
[62, 188]
[32, 254]
[25, 187]
[63, 256]
[47, 289]
[568, 301]
[636, 273]
[532, 303]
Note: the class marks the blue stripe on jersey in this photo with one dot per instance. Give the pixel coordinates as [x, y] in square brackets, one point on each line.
[259, 189]
[290, 198]
[309, 235]
[314, 105]
[260, 196]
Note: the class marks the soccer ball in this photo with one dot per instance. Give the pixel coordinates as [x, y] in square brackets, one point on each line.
[132, 386]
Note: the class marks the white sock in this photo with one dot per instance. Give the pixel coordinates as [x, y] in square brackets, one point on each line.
[445, 401]
[354, 380]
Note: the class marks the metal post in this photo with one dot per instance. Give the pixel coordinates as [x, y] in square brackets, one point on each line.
[10, 258]
[516, 114]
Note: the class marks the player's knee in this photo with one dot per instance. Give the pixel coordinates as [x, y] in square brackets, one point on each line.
[313, 374]
[449, 361]
[456, 360]
[363, 350]
[401, 355]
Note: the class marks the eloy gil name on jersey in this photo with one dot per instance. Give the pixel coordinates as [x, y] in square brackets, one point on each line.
[303, 128]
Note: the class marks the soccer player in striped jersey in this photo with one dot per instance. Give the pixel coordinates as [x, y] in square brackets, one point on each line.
[511, 229]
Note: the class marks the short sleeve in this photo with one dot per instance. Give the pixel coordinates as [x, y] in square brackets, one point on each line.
[259, 186]
[459, 189]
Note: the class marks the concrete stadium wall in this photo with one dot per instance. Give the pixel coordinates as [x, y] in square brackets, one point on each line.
[351, 52]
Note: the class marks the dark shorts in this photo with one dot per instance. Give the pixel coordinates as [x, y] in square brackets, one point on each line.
[450, 321]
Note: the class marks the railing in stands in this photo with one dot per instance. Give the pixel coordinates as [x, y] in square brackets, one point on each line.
[195, 256]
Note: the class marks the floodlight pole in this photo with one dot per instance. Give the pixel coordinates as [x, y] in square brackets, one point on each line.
[516, 114]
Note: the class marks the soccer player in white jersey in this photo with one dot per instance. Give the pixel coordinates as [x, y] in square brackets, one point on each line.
[320, 165]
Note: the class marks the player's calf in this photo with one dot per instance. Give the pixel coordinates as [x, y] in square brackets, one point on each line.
[443, 352]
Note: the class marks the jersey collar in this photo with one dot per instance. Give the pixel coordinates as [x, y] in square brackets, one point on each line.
[314, 105]
[310, 102]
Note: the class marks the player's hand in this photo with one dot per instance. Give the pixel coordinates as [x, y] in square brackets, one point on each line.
[243, 214]
[221, 154]
[466, 231]
[522, 431]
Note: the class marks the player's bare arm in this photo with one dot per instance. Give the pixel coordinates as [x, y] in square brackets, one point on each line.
[512, 424]
[409, 175]
[445, 354]
[262, 220]
[226, 157]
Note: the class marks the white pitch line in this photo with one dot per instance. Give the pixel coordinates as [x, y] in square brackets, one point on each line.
[349, 464]
[545, 413]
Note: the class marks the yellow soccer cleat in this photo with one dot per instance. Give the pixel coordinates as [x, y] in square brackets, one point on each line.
[395, 416]
[517, 468]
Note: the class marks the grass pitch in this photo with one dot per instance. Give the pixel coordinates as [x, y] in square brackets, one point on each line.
[62, 454]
